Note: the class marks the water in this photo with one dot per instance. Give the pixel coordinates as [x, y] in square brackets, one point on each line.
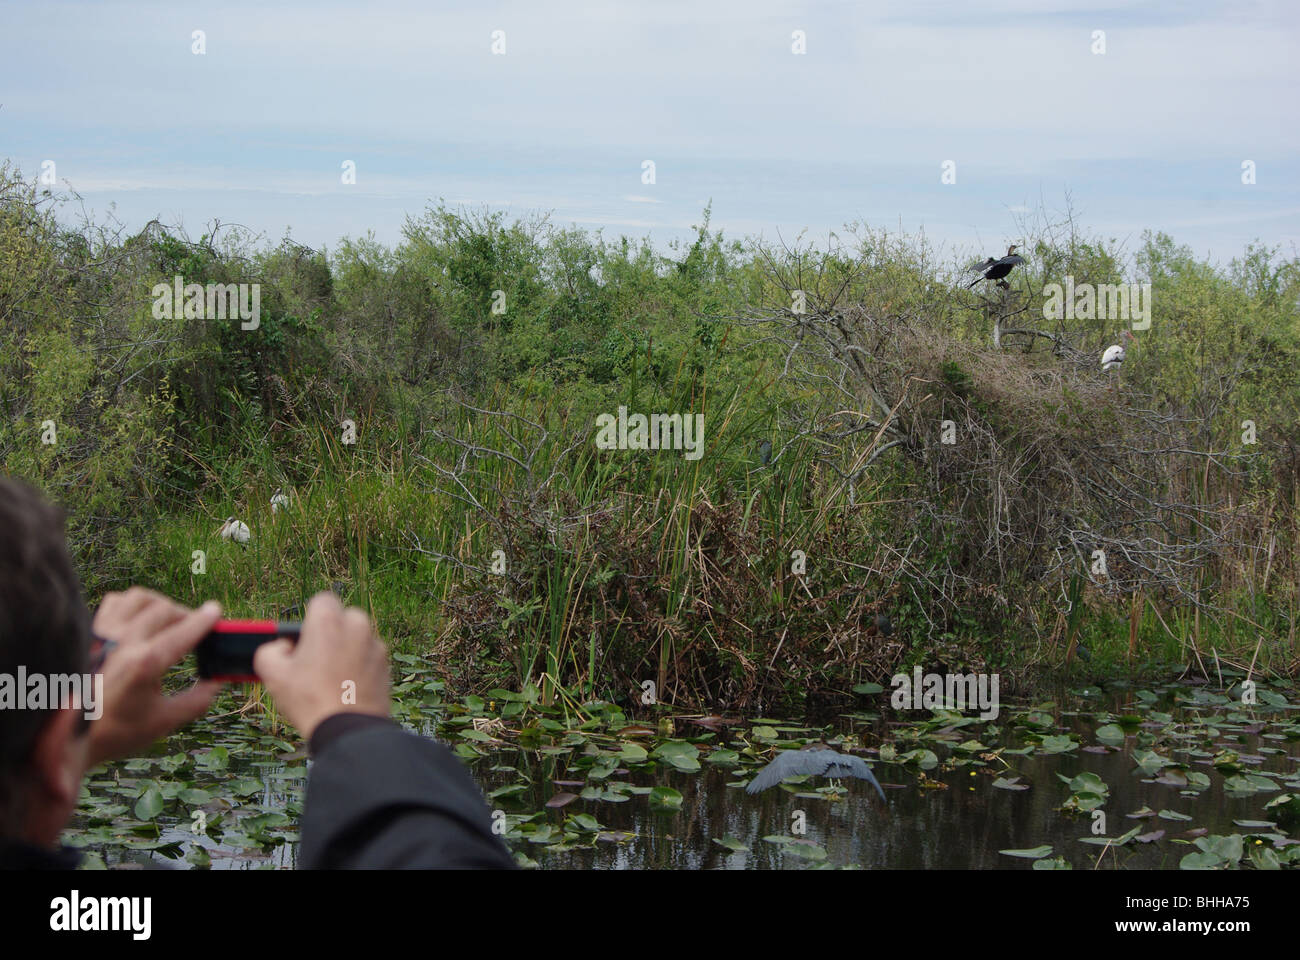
[951, 816]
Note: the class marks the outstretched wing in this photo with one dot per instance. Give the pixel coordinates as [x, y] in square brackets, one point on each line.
[859, 768]
[820, 763]
[979, 268]
[784, 765]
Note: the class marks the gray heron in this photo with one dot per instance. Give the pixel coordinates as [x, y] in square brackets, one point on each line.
[813, 762]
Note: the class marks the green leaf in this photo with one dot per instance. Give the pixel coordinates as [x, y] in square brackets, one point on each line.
[665, 797]
[731, 843]
[245, 788]
[1034, 853]
[218, 758]
[1010, 783]
[1110, 733]
[632, 753]
[149, 805]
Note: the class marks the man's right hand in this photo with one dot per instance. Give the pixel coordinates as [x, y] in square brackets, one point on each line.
[338, 665]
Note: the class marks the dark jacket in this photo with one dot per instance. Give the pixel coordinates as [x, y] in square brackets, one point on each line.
[15, 855]
[380, 797]
[377, 797]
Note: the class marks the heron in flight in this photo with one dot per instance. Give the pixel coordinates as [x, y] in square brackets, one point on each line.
[813, 762]
[992, 269]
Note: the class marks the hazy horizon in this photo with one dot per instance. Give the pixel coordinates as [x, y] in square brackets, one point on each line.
[1151, 134]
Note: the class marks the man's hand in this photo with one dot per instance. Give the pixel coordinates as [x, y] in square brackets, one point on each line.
[338, 665]
[152, 634]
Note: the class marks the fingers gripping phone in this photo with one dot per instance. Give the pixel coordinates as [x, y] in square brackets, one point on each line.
[226, 653]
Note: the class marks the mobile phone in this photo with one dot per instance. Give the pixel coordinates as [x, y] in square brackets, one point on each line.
[226, 653]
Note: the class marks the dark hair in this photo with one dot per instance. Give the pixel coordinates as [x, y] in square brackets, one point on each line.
[44, 626]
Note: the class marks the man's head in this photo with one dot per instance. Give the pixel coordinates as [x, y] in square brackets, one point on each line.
[45, 630]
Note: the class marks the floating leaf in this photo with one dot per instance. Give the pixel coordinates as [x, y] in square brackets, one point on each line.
[633, 753]
[665, 797]
[1110, 733]
[149, 805]
[1034, 853]
[584, 822]
[805, 849]
[722, 756]
[218, 758]
[245, 788]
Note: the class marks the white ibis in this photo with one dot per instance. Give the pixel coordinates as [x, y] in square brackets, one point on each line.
[235, 530]
[1114, 355]
[279, 501]
[992, 269]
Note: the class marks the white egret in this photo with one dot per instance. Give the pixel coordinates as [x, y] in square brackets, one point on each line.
[279, 501]
[1114, 355]
[235, 530]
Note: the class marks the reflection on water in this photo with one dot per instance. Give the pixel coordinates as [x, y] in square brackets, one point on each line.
[945, 817]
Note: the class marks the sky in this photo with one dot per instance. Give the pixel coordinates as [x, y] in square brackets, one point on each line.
[1152, 133]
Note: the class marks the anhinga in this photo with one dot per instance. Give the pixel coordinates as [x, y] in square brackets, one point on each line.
[992, 269]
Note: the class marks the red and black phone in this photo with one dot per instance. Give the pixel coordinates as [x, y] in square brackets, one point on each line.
[226, 653]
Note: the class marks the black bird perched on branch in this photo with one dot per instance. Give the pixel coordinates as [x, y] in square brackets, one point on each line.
[992, 269]
[812, 762]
